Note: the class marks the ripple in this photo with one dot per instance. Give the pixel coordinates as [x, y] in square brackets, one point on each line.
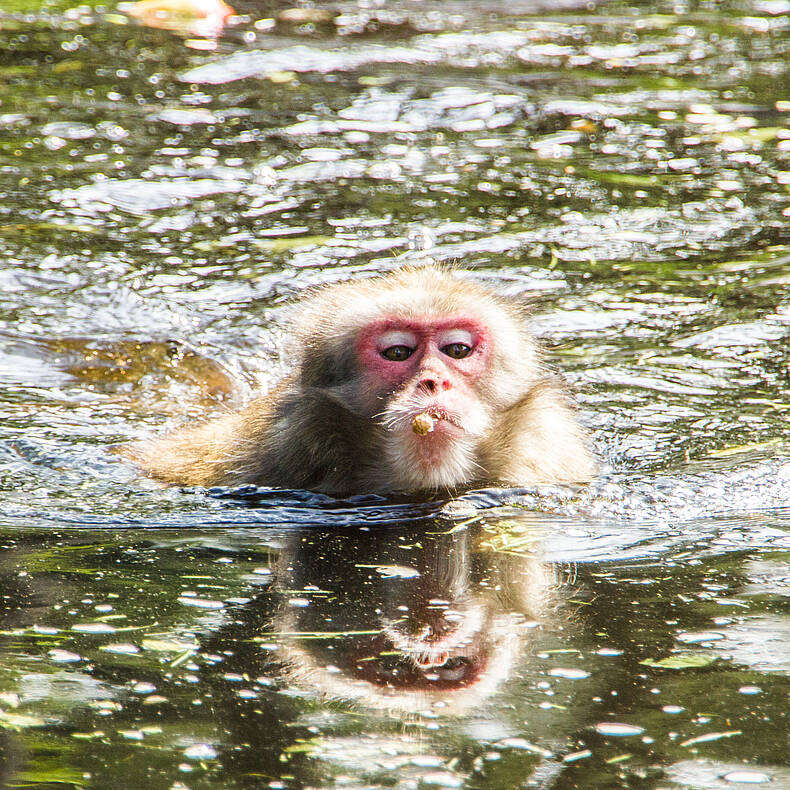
[139, 196]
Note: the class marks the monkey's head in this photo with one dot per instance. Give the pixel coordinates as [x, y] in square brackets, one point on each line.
[425, 359]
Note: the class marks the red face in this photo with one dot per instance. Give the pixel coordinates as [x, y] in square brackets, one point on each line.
[437, 361]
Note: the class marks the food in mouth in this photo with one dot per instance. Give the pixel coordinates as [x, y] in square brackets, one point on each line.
[423, 423]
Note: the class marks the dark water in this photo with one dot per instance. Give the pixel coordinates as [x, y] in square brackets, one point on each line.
[625, 168]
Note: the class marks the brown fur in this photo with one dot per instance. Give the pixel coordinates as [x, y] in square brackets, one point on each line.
[315, 430]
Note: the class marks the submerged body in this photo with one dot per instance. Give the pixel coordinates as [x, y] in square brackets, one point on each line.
[415, 380]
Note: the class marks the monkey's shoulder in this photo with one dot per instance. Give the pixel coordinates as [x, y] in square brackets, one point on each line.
[308, 438]
[539, 440]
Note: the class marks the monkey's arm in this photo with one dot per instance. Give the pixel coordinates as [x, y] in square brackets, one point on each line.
[289, 438]
[539, 441]
[202, 456]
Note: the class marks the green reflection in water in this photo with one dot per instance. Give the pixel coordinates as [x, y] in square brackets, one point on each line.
[624, 168]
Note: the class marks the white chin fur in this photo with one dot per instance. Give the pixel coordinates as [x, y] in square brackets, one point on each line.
[414, 469]
[440, 459]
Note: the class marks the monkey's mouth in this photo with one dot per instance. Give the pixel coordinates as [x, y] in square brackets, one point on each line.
[442, 415]
[435, 421]
[422, 419]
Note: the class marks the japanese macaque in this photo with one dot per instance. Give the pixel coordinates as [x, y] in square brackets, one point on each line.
[412, 381]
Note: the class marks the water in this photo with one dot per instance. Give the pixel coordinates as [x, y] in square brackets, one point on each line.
[624, 168]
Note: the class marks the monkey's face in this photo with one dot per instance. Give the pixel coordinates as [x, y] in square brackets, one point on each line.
[431, 362]
[434, 367]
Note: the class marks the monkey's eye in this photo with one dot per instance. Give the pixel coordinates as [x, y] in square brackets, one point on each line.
[457, 350]
[397, 353]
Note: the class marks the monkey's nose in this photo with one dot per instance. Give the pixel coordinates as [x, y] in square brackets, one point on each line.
[429, 385]
[432, 383]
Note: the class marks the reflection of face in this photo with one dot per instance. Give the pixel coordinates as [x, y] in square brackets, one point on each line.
[446, 645]
[434, 623]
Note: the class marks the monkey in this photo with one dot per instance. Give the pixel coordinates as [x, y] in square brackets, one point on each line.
[410, 381]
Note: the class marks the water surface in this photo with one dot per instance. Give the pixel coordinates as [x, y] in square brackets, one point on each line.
[621, 167]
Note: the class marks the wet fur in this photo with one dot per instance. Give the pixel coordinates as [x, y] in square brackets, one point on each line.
[316, 432]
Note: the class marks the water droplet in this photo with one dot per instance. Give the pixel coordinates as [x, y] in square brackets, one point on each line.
[64, 656]
[200, 751]
[747, 777]
[690, 638]
[93, 628]
[618, 730]
[121, 648]
[201, 603]
[569, 673]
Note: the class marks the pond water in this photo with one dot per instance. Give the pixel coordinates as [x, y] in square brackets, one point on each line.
[624, 167]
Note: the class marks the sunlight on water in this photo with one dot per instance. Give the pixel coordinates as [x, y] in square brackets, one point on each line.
[173, 176]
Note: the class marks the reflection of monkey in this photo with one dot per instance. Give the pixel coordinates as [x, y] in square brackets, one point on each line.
[403, 639]
[400, 621]
[411, 381]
